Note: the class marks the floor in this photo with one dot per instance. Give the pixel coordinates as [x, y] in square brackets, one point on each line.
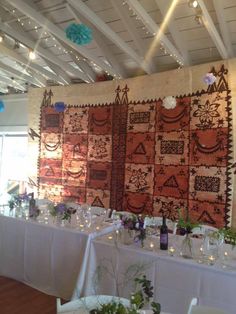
[17, 298]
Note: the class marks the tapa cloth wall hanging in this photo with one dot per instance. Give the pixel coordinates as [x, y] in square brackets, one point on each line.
[140, 156]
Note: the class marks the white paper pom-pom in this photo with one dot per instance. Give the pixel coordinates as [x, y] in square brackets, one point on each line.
[169, 102]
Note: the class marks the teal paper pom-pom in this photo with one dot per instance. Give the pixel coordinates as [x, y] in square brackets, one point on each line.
[2, 107]
[79, 34]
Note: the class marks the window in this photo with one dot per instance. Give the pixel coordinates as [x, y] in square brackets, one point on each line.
[13, 164]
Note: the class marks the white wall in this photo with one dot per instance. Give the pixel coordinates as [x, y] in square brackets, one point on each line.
[15, 116]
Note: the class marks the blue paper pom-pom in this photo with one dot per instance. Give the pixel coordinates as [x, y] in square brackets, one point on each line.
[2, 106]
[60, 106]
[79, 33]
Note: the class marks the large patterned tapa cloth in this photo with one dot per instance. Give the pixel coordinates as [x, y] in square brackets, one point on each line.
[140, 156]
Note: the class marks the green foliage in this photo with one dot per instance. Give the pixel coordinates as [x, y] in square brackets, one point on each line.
[229, 235]
[186, 223]
[142, 296]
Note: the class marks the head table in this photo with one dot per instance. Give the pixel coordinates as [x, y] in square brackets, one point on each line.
[46, 256]
[176, 280]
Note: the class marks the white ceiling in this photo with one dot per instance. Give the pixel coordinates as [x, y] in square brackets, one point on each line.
[130, 38]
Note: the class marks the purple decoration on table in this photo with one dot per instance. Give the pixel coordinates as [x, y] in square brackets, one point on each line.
[60, 208]
[209, 78]
[60, 106]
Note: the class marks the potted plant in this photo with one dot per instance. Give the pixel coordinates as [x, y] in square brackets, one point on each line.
[186, 226]
[141, 297]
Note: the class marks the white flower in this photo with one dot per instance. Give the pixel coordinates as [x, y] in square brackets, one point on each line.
[169, 102]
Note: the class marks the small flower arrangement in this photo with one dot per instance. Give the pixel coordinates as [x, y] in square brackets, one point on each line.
[135, 223]
[62, 210]
[129, 222]
[17, 200]
[142, 296]
[185, 224]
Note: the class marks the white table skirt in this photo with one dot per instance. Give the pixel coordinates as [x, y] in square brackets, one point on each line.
[176, 280]
[46, 257]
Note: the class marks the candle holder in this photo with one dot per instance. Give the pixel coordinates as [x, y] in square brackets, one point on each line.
[171, 251]
[211, 260]
[151, 246]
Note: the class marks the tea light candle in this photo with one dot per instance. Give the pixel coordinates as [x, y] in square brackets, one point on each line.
[211, 260]
[171, 251]
[225, 254]
[81, 226]
[151, 245]
[201, 250]
[110, 237]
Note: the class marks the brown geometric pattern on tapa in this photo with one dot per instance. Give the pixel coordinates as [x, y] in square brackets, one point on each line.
[75, 153]
[192, 154]
[140, 156]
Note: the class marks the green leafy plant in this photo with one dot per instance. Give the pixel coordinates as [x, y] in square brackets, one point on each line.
[142, 296]
[61, 209]
[185, 222]
[229, 235]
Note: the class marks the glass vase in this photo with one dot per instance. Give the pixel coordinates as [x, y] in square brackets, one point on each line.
[187, 247]
[127, 236]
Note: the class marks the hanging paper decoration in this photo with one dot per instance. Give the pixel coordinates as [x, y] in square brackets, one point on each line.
[60, 106]
[209, 78]
[2, 106]
[80, 34]
[169, 102]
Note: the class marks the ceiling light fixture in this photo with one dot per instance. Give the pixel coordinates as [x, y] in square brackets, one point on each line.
[198, 19]
[32, 55]
[193, 3]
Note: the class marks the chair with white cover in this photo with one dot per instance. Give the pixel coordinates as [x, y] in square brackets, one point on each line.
[116, 213]
[199, 309]
[100, 211]
[157, 222]
[202, 229]
[193, 302]
[86, 304]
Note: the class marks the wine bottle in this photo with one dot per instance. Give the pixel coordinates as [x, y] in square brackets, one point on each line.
[31, 205]
[164, 235]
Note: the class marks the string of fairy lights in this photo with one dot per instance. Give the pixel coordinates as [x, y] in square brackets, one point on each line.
[50, 41]
[147, 30]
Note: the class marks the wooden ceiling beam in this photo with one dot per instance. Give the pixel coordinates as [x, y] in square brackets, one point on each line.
[132, 30]
[108, 32]
[12, 83]
[22, 76]
[44, 53]
[152, 27]
[57, 32]
[16, 56]
[164, 6]
[219, 8]
[215, 36]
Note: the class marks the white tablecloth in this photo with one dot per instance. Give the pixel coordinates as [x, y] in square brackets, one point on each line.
[176, 280]
[46, 257]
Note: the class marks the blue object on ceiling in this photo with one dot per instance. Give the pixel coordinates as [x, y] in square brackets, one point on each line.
[2, 106]
[80, 34]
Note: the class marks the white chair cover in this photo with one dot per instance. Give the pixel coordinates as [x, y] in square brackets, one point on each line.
[157, 221]
[198, 309]
[202, 229]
